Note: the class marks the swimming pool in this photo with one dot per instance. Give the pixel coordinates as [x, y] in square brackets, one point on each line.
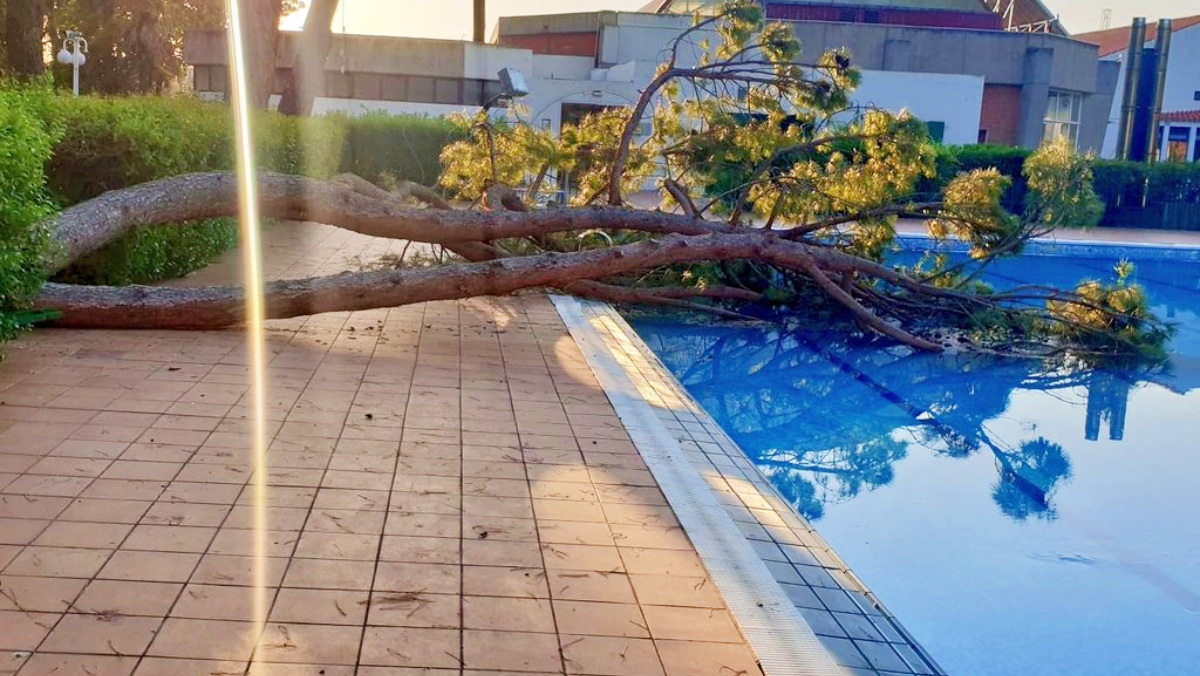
[1017, 521]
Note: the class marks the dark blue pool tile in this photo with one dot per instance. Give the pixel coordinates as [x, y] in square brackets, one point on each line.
[785, 573]
[916, 660]
[822, 623]
[845, 653]
[859, 626]
[800, 555]
[882, 656]
[802, 596]
[837, 600]
[817, 577]
[769, 551]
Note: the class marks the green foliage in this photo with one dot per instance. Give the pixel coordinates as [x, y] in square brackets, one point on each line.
[1132, 193]
[406, 147]
[27, 138]
[155, 254]
[1114, 318]
[1060, 188]
[116, 142]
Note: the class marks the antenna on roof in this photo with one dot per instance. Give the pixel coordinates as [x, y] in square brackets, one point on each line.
[1106, 19]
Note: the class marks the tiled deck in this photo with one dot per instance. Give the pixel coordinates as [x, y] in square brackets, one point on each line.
[451, 494]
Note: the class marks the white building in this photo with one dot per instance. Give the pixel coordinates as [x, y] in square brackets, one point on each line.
[1180, 127]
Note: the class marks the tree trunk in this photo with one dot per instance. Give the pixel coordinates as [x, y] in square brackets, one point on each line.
[23, 25]
[260, 21]
[308, 70]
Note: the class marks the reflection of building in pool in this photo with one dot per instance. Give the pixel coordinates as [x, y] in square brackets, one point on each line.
[1107, 400]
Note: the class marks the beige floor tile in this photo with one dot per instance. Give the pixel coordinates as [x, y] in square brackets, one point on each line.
[237, 570]
[417, 577]
[127, 597]
[419, 549]
[689, 658]
[58, 562]
[169, 666]
[105, 510]
[49, 664]
[672, 590]
[150, 566]
[205, 640]
[23, 631]
[509, 651]
[610, 587]
[156, 538]
[329, 574]
[101, 634]
[85, 535]
[21, 531]
[712, 625]
[215, 602]
[38, 594]
[505, 581]
[320, 606]
[508, 614]
[640, 561]
[411, 647]
[414, 609]
[610, 656]
[345, 546]
[309, 644]
[600, 619]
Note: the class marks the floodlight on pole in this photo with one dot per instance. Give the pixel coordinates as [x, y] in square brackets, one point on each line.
[74, 54]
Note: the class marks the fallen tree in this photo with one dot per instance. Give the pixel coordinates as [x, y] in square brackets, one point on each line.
[776, 191]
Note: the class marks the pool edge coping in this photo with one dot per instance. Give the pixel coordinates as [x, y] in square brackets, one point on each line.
[741, 587]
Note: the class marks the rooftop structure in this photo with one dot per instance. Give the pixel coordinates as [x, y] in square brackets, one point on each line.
[1179, 128]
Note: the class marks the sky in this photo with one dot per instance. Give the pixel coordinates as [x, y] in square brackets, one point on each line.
[451, 19]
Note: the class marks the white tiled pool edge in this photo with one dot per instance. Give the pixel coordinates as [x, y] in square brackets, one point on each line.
[816, 579]
[782, 640]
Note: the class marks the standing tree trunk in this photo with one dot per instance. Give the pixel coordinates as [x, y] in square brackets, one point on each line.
[308, 70]
[260, 21]
[23, 24]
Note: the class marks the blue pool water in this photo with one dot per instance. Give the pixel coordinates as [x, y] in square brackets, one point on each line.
[1016, 521]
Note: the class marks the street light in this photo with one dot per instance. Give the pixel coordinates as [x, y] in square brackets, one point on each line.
[74, 54]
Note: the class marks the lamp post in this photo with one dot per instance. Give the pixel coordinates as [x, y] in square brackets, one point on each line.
[74, 54]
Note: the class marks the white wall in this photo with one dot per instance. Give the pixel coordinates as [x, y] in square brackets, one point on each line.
[324, 106]
[955, 100]
[1183, 81]
[484, 61]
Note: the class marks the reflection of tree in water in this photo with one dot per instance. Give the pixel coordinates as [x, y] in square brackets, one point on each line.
[827, 421]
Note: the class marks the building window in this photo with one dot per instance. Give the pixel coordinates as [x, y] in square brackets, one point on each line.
[1177, 144]
[1062, 117]
[1196, 95]
[871, 16]
[983, 136]
[420, 89]
[338, 85]
[446, 91]
[367, 86]
[394, 88]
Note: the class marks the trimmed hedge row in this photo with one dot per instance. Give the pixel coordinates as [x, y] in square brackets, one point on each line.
[113, 143]
[26, 141]
[1134, 194]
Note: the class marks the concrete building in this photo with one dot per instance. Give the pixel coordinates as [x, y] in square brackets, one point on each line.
[1180, 123]
[949, 62]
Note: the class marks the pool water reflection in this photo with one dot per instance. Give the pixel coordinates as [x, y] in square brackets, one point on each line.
[1015, 520]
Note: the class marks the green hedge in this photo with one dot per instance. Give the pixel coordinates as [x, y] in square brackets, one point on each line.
[1134, 194]
[113, 143]
[27, 137]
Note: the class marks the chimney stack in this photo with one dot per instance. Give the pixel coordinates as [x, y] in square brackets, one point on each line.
[481, 21]
[1133, 75]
